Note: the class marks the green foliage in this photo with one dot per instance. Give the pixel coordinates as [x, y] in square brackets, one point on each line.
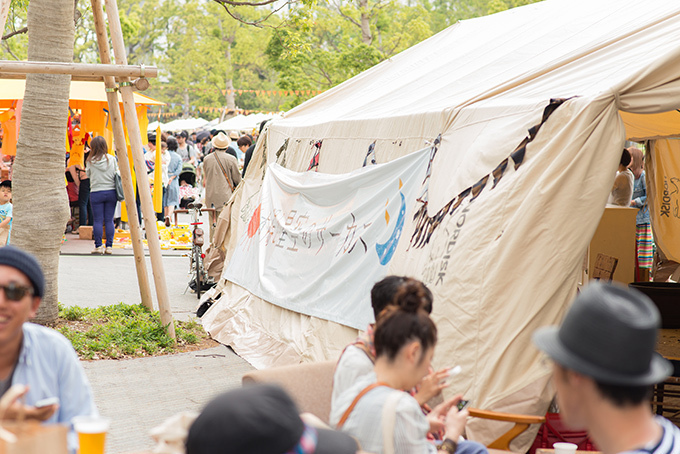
[123, 330]
[202, 52]
[16, 47]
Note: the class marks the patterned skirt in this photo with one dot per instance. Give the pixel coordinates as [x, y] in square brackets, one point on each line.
[645, 245]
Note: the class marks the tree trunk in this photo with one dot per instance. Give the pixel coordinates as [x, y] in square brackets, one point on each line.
[366, 36]
[41, 208]
[230, 96]
[186, 106]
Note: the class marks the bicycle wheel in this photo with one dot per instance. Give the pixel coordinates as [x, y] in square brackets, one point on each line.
[197, 271]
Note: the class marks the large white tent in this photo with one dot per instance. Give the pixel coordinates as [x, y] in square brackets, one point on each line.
[244, 122]
[512, 206]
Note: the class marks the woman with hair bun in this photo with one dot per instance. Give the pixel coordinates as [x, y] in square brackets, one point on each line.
[358, 358]
[376, 410]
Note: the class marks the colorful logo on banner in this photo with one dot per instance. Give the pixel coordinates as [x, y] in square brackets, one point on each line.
[316, 243]
[386, 250]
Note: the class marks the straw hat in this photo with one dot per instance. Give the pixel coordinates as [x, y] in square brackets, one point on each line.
[221, 141]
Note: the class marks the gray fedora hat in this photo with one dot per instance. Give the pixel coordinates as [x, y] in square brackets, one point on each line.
[609, 334]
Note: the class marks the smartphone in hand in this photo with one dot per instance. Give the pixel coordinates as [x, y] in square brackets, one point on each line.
[463, 404]
[47, 402]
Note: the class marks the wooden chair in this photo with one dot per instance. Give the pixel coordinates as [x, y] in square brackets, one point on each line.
[666, 396]
[522, 423]
[309, 384]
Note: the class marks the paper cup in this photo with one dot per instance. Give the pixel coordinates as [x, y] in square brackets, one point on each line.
[91, 432]
[564, 448]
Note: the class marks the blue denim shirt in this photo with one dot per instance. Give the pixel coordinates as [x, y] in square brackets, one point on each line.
[640, 200]
[49, 365]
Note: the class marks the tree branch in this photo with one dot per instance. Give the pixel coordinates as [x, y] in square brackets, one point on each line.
[345, 16]
[257, 23]
[235, 3]
[10, 50]
[16, 32]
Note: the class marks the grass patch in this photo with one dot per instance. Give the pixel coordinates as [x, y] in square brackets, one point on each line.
[123, 331]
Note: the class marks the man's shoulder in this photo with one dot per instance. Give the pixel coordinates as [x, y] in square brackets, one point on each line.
[46, 339]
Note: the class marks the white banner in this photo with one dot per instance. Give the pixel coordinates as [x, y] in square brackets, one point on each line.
[317, 243]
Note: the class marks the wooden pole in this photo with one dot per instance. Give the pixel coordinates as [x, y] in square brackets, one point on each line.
[123, 162]
[4, 11]
[73, 78]
[140, 165]
[76, 69]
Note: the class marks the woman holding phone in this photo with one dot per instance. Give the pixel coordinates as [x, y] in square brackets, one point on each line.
[376, 410]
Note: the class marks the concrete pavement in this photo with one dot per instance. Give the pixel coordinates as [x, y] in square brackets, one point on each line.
[139, 394]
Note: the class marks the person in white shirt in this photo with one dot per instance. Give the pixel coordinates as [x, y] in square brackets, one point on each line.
[622, 192]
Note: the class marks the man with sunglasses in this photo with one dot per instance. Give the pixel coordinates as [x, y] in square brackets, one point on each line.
[32, 355]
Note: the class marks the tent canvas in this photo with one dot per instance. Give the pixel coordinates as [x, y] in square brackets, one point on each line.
[507, 262]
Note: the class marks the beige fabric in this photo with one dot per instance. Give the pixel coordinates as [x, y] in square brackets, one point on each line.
[309, 385]
[663, 195]
[217, 189]
[511, 259]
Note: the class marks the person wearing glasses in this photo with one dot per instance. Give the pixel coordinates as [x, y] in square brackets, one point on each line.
[40, 358]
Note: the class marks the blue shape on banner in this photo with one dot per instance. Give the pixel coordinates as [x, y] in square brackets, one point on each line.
[386, 250]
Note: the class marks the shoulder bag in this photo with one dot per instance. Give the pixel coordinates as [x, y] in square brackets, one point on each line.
[224, 172]
[120, 195]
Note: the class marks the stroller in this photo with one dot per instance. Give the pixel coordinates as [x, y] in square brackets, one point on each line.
[188, 191]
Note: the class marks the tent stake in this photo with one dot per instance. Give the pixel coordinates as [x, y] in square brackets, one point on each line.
[123, 162]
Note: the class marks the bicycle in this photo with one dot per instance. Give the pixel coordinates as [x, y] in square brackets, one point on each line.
[199, 280]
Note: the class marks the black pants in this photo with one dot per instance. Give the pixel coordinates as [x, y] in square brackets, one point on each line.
[84, 206]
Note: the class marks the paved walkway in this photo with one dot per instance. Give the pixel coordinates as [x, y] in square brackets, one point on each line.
[139, 394]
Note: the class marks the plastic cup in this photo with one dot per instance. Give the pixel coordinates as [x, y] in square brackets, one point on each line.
[91, 432]
[564, 448]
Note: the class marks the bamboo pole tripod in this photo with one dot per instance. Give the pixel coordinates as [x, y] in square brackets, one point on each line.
[108, 72]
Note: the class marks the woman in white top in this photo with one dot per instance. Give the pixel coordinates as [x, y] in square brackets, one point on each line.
[377, 411]
[101, 169]
[622, 192]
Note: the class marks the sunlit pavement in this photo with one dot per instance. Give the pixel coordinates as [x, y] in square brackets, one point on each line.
[139, 394]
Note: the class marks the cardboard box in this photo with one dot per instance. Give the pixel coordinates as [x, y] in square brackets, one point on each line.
[85, 232]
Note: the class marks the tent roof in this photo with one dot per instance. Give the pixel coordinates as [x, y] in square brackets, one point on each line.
[184, 124]
[11, 89]
[523, 56]
[244, 122]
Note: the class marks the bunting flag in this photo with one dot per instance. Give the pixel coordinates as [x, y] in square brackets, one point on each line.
[274, 92]
[207, 109]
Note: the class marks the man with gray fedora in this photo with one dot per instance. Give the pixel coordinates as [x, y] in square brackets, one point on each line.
[604, 369]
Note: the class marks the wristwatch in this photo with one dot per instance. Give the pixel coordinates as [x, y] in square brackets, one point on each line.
[449, 446]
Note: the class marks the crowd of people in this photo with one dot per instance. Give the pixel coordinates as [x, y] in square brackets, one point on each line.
[630, 190]
[196, 164]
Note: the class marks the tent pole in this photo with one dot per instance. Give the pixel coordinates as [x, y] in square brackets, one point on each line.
[76, 69]
[140, 165]
[4, 11]
[123, 162]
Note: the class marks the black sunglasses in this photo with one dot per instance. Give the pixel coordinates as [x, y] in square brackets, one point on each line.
[15, 292]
